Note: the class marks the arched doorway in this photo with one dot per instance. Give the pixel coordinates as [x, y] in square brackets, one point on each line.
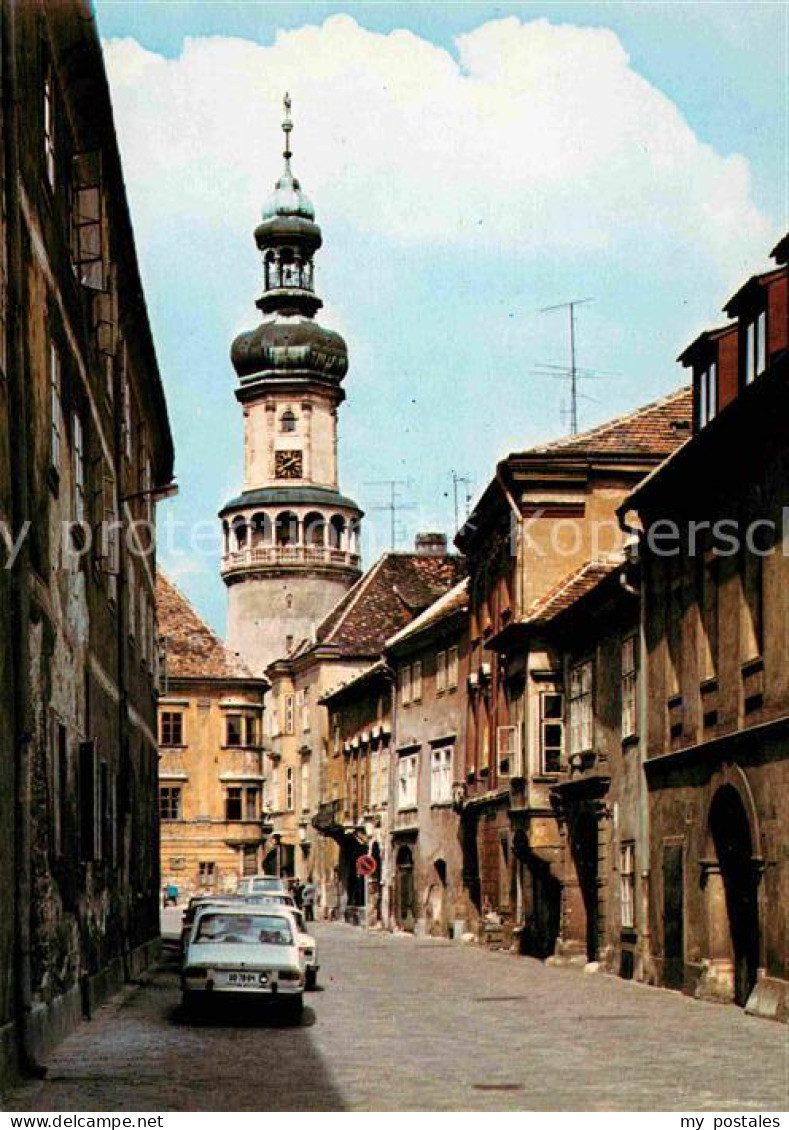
[404, 908]
[435, 900]
[734, 849]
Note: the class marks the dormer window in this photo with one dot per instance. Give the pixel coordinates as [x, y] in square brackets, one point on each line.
[708, 393]
[288, 421]
[755, 340]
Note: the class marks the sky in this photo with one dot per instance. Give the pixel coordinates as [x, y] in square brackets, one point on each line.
[470, 165]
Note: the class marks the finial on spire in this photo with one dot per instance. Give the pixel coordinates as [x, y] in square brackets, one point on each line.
[287, 126]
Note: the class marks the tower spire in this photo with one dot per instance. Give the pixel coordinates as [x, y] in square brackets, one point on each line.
[287, 127]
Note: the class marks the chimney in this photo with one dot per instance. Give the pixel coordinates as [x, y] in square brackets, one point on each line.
[431, 545]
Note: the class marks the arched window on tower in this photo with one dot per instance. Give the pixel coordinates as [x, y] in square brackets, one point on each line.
[287, 529]
[290, 269]
[353, 536]
[271, 270]
[315, 530]
[261, 530]
[287, 421]
[306, 274]
[240, 532]
[226, 536]
[337, 532]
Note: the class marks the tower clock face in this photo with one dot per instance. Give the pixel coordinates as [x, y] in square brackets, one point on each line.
[288, 465]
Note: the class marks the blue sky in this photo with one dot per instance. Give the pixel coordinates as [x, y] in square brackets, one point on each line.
[469, 164]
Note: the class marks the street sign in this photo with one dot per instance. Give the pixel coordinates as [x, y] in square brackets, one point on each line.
[366, 865]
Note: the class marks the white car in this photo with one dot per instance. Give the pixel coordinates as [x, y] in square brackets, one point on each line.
[261, 885]
[244, 951]
[308, 947]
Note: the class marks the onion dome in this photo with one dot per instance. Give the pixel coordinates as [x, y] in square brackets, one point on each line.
[287, 199]
[290, 346]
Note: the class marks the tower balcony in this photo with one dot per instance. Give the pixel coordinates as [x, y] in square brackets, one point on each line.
[287, 557]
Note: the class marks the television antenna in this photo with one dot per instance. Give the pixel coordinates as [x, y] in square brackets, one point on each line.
[395, 504]
[573, 371]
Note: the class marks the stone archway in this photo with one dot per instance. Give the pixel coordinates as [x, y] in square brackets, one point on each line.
[732, 883]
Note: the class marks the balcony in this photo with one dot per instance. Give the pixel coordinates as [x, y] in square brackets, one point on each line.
[287, 556]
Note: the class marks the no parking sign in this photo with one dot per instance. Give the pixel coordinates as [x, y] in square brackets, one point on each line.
[366, 865]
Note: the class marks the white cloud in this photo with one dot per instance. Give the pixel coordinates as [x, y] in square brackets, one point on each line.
[537, 136]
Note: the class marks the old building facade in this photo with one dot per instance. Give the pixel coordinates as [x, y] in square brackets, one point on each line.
[716, 630]
[355, 810]
[307, 779]
[548, 512]
[85, 451]
[213, 821]
[291, 539]
[589, 624]
[429, 662]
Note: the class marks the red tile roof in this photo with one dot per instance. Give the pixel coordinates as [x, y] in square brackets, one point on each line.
[656, 429]
[456, 600]
[395, 590]
[569, 590]
[192, 650]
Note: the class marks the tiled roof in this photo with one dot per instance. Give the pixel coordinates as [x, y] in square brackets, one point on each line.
[570, 590]
[192, 650]
[456, 600]
[395, 590]
[656, 429]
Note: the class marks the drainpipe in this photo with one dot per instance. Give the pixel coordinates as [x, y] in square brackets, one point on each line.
[20, 574]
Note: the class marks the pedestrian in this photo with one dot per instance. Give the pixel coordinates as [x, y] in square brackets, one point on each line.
[298, 893]
[308, 900]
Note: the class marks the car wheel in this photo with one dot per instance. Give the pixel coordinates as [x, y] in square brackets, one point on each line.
[310, 979]
[188, 1004]
[294, 1007]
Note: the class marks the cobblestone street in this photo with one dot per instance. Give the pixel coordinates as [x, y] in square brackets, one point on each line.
[407, 1024]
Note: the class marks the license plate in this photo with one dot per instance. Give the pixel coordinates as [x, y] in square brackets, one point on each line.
[250, 979]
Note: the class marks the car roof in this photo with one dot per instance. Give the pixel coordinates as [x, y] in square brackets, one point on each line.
[244, 910]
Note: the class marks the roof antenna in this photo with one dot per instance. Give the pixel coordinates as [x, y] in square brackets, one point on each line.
[571, 370]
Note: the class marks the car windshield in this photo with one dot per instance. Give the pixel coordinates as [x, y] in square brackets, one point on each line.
[245, 929]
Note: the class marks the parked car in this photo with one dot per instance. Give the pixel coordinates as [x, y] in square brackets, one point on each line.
[307, 944]
[198, 902]
[260, 885]
[243, 951]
